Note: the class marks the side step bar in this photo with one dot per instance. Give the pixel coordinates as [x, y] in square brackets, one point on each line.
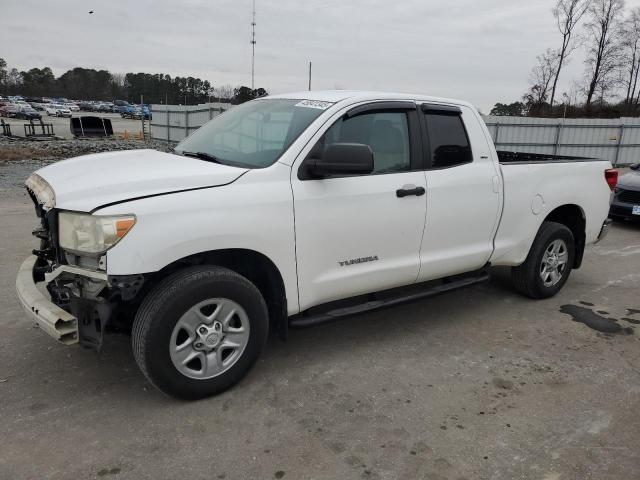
[305, 321]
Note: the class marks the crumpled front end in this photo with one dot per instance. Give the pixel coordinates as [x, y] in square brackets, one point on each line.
[68, 295]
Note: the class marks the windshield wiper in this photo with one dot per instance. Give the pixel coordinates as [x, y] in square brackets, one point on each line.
[203, 156]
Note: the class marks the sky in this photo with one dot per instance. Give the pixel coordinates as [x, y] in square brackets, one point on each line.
[479, 51]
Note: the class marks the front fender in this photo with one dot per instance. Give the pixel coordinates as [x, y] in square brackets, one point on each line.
[253, 213]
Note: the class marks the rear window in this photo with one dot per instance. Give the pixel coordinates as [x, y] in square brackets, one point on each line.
[448, 140]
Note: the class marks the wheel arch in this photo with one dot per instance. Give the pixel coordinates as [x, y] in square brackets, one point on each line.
[571, 216]
[251, 264]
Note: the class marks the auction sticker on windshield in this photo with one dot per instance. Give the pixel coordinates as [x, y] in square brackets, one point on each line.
[314, 104]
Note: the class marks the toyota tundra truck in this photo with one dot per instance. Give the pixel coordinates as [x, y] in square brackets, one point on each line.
[289, 211]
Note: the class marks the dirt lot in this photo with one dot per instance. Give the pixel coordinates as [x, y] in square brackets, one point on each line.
[61, 124]
[476, 384]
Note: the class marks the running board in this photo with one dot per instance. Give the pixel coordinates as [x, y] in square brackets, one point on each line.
[304, 321]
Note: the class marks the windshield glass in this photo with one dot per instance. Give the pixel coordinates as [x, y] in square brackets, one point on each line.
[254, 134]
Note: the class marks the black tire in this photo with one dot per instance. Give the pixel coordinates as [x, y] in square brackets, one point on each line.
[526, 277]
[168, 301]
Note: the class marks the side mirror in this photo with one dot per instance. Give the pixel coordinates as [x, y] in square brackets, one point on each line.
[343, 159]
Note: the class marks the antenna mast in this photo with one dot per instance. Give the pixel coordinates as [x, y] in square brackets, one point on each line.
[253, 45]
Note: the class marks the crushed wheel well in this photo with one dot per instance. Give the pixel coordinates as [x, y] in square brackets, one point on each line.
[572, 217]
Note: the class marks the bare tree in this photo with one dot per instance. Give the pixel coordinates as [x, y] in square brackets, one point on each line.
[630, 33]
[541, 76]
[3, 71]
[568, 14]
[223, 92]
[118, 79]
[602, 44]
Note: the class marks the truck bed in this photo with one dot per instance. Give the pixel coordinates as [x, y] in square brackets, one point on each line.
[534, 185]
[508, 157]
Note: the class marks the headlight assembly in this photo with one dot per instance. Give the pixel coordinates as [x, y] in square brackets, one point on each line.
[93, 234]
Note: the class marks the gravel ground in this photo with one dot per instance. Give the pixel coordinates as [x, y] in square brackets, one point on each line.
[30, 155]
[59, 149]
[476, 384]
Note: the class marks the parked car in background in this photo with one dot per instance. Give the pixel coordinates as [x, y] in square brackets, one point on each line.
[120, 105]
[86, 106]
[103, 107]
[28, 113]
[37, 106]
[146, 111]
[72, 106]
[9, 110]
[50, 110]
[626, 199]
[131, 111]
[57, 110]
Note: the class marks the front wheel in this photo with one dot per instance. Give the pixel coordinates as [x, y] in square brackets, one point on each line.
[200, 331]
[549, 263]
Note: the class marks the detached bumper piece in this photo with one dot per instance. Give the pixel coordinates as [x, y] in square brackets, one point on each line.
[58, 323]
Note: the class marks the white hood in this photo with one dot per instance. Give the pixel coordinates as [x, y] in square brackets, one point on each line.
[87, 182]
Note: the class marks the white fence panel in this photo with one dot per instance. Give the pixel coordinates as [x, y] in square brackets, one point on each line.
[173, 123]
[617, 140]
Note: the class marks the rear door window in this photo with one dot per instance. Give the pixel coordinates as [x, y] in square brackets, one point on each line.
[448, 140]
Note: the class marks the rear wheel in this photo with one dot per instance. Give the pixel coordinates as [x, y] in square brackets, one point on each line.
[549, 263]
[200, 331]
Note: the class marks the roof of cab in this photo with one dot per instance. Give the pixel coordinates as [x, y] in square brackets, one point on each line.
[357, 95]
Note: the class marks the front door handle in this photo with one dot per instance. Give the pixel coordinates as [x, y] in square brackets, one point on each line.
[408, 190]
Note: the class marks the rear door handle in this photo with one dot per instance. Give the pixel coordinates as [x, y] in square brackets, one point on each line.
[408, 190]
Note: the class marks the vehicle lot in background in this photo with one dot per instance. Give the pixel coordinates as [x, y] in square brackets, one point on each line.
[61, 124]
[492, 386]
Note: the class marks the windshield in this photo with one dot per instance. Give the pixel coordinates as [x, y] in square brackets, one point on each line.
[254, 134]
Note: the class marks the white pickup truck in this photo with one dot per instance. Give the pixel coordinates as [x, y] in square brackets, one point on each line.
[292, 210]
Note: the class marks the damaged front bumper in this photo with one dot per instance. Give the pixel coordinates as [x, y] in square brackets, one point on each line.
[54, 320]
[57, 322]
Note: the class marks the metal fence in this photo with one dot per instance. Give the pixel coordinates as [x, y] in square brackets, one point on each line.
[172, 123]
[617, 140]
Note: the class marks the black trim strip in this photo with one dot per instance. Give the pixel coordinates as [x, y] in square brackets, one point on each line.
[441, 109]
[506, 157]
[535, 162]
[100, 207]
[377, 106]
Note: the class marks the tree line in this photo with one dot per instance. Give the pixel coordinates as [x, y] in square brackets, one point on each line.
[609, 37]
[89, 84]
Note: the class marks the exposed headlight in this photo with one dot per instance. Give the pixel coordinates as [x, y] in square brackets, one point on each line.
[86, 233]
[42, 191]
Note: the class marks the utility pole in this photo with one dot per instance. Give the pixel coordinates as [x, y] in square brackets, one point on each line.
[309, 76]
[253, 46]
[144, 136]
